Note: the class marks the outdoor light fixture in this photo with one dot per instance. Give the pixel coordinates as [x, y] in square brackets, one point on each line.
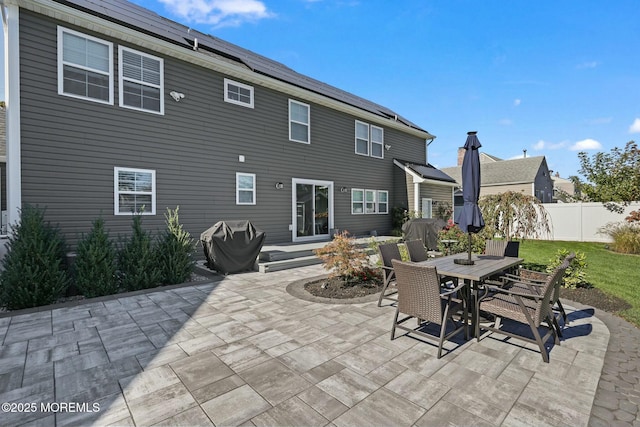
[177, 96]
[387, 147]
[279, 185]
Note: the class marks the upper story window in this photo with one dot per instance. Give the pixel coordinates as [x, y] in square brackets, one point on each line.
[141, 81]
[238, 93]
[299, 123]
[362, 138]
[369, 140]
[135, 191]
[245, 188]
[85, 66]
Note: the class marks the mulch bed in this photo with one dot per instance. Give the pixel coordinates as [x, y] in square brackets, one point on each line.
[339, 289]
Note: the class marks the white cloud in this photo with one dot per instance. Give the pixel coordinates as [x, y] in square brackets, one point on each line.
[589, 64]
[545, 145]
[600, 121]
[586, 144]
[505, 122]
[635, 126]
[517, 102]
[219, 13]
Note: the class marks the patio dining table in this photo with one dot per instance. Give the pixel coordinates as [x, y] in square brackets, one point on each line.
[484, 266]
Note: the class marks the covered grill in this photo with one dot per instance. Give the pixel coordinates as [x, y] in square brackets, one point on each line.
[232, 246]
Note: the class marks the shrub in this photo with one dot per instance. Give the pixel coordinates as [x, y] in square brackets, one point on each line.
[342, 258]
[625, 235]
[461, 244]
[175, 250]
[95, 264]
[137, 260]
[34, 271]
[575, 276]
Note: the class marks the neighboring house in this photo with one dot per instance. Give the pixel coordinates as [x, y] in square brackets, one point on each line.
[113, 109]
[527, 175]
[563, 189]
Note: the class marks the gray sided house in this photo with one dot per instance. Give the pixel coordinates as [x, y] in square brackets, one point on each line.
[528, 175]
[112, 109]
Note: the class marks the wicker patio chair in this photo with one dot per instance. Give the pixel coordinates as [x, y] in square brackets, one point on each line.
[417, 251]
[388, 252]
[495, 247]
[527, 283]
[525, 307]
[420, 296]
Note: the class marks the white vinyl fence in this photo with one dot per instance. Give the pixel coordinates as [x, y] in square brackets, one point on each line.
[581, 221]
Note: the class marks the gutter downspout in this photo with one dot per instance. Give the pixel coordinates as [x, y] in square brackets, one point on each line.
[11, 27]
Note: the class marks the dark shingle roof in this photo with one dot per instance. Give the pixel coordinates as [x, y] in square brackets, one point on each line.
[132, 16]
[426, 171]
[503, 171]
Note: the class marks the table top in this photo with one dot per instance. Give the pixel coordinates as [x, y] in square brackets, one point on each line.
[484, 266]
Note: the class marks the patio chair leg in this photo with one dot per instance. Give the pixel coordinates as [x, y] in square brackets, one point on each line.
[556, 326]
[395, 321]
[561, 308]
[543, 349]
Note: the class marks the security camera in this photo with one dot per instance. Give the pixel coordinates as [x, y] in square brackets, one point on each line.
[177, 96]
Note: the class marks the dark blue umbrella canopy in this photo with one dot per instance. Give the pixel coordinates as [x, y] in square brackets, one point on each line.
[470, 219]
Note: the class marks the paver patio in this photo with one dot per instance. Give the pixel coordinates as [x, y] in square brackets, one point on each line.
[242, 351]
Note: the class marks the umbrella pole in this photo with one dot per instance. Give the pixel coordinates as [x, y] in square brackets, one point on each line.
[469, 248]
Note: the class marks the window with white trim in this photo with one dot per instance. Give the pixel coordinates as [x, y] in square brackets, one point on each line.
[377, 142]
[141, 81]
[383, 201]
[369, 140]
[245, 188]
[370, 201]
[427, 207]
[85, 66]
[357, 201]
[362, 138]
[299, 123]
[134, 191]
[238, 93]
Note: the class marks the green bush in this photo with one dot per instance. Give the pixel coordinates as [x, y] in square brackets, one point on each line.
[34, 269]
[575, 276]
[95, 264]
[342, 258]
[175, 250]
[625, 235]
[137, 260]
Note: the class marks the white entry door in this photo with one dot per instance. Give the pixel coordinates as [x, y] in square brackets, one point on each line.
[312, 209]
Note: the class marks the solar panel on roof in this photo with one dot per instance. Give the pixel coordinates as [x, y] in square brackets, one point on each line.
[141, 19]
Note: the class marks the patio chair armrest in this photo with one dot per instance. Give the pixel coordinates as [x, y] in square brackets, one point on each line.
[453, 290]
[511, 292]
[519, 276]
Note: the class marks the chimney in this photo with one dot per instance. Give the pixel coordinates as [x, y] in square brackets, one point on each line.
[525, 153]
[460, 155]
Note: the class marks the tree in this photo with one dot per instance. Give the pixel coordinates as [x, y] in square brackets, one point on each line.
[612, 178]
[513, 214]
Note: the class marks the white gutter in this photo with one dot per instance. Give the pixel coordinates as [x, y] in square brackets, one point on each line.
[10, 25]
[85, 20]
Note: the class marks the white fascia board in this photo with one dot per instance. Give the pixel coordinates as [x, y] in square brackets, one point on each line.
[85, 20]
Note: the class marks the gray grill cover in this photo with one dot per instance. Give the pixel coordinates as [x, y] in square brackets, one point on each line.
[425, 229]
[232, 246]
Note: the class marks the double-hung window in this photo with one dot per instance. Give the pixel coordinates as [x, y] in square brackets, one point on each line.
[85, 66]
[362, 138]
[135, 191]
[238, 93]
[299, 123]
[141, 81]
[377, 142]
[370, 201]
[383, 201]
[357, 201]
[369, 140]
[245, 188]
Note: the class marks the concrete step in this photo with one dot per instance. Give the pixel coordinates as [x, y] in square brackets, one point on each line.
[284, 264]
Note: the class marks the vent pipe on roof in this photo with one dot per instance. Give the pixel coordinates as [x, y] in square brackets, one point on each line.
[195, 43]
[525, 153]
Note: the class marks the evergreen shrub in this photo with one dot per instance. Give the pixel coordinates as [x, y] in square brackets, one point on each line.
[95, 265]
[175, 251]
[137, 259]
[34, 268]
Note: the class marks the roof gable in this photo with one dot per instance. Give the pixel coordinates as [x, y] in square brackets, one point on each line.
[504, 171]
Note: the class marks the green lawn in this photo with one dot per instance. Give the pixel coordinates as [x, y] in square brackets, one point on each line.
[613, 273]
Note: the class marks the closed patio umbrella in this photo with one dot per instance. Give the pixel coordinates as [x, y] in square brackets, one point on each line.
[470, 219]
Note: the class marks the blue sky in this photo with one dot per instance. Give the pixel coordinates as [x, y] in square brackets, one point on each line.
[551, 77]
